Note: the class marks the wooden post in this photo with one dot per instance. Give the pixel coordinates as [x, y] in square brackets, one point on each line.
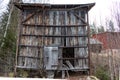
[18, 40]
[89, 55]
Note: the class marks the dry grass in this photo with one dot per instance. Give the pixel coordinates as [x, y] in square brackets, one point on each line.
[109, 60]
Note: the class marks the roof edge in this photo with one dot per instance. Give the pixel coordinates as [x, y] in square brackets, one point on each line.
[41, 5]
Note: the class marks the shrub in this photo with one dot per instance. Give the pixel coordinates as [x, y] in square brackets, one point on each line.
[102, 74]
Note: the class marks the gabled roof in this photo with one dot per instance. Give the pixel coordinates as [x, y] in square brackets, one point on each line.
[23, 6]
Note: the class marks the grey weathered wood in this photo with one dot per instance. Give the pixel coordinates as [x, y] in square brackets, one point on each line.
[51, 57]
[63, 74]
[55, 18]
[69, 64]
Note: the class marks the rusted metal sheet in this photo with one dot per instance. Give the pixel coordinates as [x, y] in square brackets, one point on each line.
[47, 35]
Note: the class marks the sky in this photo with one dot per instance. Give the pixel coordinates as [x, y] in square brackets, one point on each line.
[102, 11]
[97, 14]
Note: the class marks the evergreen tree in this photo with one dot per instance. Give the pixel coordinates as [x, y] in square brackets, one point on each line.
[111, 26]
[101, 29]
[93, 29]
[8, 29]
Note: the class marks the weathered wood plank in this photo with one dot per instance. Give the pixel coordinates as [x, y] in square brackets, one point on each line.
[57, 28]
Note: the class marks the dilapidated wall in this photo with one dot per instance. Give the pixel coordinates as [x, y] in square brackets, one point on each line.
[45, 32]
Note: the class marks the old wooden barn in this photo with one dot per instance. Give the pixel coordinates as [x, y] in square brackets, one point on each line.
[53, 37]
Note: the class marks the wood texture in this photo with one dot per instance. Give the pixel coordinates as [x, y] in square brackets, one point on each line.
[52, 18]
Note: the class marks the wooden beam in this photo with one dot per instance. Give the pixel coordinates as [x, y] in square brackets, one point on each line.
[73, 58]
[32, 35]
[33, 57]
[39, 25]
[81, 19]
[30, 16]
[89, 54]
[18, 41]
[36, 46]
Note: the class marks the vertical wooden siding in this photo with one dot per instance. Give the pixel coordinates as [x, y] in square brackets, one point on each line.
[34, 54]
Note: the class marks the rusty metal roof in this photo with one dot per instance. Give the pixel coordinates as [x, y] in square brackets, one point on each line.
[23, 6]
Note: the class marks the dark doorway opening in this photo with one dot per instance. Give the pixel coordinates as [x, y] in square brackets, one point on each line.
[68, 55]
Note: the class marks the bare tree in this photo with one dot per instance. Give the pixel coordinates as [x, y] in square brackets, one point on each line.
[115, 67]
[8, 22]
[116, 13]
[1, 5]
[110, 25]
[1, 1]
